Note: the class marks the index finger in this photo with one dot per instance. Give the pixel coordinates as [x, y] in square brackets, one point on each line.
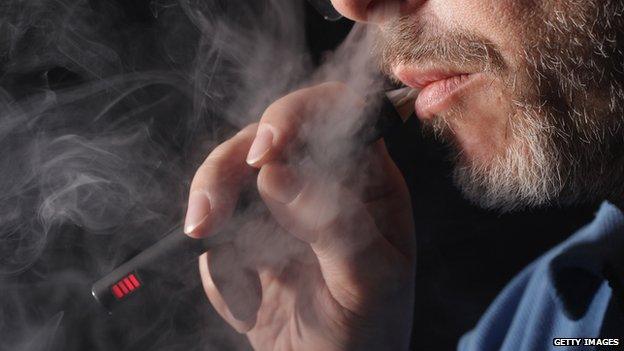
[281, 122]
[217, 185]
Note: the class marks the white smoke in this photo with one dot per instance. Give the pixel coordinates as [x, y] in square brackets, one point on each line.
[104, 117]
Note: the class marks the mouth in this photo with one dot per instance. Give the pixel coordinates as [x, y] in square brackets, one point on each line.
[440, 89]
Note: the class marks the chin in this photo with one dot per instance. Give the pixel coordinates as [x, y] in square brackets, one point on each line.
[503, 159]
[478, 134]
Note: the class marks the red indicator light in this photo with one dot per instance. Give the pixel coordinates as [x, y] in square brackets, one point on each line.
[123, 288]
[134, 280]
[129, 285]
[117, 292]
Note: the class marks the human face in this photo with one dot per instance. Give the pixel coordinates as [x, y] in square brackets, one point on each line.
[528, 92]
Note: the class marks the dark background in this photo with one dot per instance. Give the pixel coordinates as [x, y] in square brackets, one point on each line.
[465, 255]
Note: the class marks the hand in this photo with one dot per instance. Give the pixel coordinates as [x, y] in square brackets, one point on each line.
[333, 267]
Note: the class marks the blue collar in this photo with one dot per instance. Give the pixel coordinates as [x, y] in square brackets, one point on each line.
[579, 265]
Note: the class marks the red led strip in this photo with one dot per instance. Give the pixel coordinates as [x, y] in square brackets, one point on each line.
[129, 285]
[125, 286]
[117, 292]
[134, 280]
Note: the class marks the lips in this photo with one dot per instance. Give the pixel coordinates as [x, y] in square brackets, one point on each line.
[440, 89]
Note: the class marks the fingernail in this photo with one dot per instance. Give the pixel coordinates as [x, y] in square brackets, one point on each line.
[283, 185]
[261, 145]
[197, 214]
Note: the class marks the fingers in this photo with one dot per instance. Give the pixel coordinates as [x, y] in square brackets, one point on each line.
[282, 121]
[233, 290]
[217, 184]
[356, 260]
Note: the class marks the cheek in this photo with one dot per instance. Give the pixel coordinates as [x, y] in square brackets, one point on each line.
[481, 124]
[502, 22]
[483, 16]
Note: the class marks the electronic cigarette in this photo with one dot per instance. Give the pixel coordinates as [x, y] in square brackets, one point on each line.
[176, 249]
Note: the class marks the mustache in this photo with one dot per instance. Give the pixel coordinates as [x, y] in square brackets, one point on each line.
[408, 41]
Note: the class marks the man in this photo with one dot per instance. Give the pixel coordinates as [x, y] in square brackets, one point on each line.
[528, 93]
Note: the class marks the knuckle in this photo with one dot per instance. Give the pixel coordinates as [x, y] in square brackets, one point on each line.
[248, 131]
[207, 171]
[335, 86]
[282, 107]
[220, 162]
[214, 173]
[219, 154]
[215, 163]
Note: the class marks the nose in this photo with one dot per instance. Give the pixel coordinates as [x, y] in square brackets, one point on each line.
[375, 11]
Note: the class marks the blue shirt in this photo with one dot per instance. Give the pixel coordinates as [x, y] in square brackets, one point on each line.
[564, 294]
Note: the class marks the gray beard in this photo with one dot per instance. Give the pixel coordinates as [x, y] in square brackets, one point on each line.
[525, 175]
[567, 140]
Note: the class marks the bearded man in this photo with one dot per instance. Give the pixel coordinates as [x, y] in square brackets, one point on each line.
[529, 95]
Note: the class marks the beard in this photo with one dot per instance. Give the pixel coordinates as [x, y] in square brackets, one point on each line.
[564, 139]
